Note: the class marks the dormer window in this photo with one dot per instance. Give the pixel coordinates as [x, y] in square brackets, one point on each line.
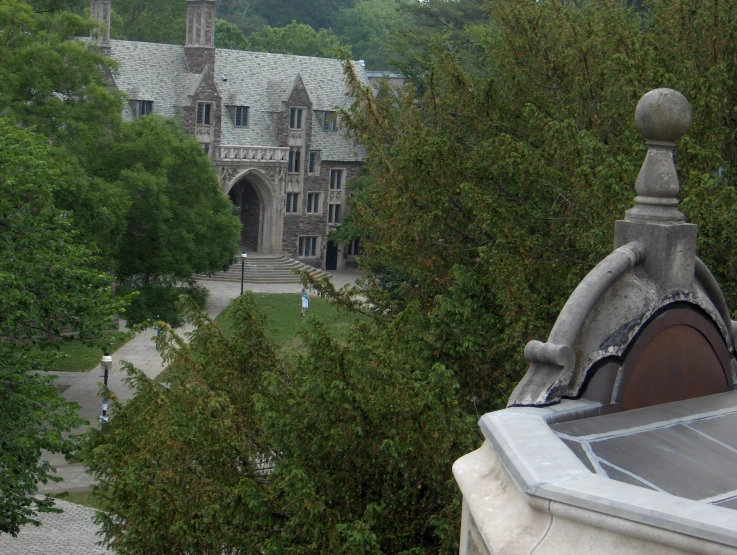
[295, 118]
[238, 115]
[328, 121]
[204, 110]
[142, 107]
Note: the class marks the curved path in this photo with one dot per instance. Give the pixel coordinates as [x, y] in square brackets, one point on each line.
[73, 526]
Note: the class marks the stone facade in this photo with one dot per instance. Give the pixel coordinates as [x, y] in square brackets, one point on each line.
[266, 121]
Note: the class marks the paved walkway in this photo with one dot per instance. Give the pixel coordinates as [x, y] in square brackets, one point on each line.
[69, 533]
[142, 352]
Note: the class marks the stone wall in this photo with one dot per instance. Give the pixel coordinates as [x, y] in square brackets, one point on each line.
[298, 98]
[198, 57]
[315, 224]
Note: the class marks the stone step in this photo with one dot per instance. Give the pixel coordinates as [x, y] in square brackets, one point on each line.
[264, 269]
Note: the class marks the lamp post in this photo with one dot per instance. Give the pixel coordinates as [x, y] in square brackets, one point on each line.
[243, 268]
[106, 363]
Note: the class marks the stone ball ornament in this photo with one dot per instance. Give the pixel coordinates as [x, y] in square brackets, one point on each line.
[663, 115]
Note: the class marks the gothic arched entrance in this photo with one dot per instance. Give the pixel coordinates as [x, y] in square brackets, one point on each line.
[258, 208]
[244, 196]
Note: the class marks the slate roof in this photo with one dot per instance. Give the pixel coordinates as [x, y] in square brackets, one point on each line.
[258, 80]
[149, 71]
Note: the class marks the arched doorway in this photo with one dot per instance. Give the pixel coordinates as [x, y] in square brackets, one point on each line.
[245, 196]
[259, 203]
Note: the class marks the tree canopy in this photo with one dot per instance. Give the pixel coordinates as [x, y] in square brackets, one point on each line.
[179, 223]
[325, 28]
[345, 450]
[296, 38]
[492, 184]
[68, 215]
[497, 176]
[50, 288]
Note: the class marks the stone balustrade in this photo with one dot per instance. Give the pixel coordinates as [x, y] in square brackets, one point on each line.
[253, 153]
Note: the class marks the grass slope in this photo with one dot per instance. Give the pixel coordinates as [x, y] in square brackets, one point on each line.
[283, 313]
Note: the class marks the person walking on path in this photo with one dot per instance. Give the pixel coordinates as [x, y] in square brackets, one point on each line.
[305, 301]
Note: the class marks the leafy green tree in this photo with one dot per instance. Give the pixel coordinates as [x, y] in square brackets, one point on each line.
[53, 83]
[49, 289]
[369, 27]
[241, 13]
[318, 14]
[228, 35]
[297, 38]
[497, 177]
[160, 21]
[177, 466]
[179, 222]
[360, 441]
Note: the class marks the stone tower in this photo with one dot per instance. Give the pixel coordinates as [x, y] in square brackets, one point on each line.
[199, 49]
[100, 12]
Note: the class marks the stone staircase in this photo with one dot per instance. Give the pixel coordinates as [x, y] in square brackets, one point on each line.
[263, 268]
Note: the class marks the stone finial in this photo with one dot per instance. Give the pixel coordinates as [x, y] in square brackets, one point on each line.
[662, 116]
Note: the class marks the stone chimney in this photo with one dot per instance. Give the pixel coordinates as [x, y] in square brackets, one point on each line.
[100, 12]
[199, 49]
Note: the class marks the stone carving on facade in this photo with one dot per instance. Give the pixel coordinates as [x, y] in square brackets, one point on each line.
[227, 173]
[254, 153]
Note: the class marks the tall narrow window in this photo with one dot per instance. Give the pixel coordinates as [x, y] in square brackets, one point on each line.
[203, 113]
[294, 159]
[292, 203]
[328, 121]
[336, 179]
[295, 118]
[241, 116]
[307, 246]
[312, 166]
[334, 214]
[313, 203]
[145, 107]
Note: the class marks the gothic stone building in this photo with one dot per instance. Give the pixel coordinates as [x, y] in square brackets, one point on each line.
[267, 122]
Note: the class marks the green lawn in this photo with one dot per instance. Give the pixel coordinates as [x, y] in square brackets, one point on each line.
[283, 314]
[283, 319]
[81, 357]
[80, 498]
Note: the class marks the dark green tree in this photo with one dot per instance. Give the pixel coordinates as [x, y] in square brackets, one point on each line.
[149, 21]
[179, 222]
[318, 14]
[53, 83]
[49, 289]
[228, 35]
[359, 442]
[369, 28]
[296, 38]
[241, 13]
[496, 179]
